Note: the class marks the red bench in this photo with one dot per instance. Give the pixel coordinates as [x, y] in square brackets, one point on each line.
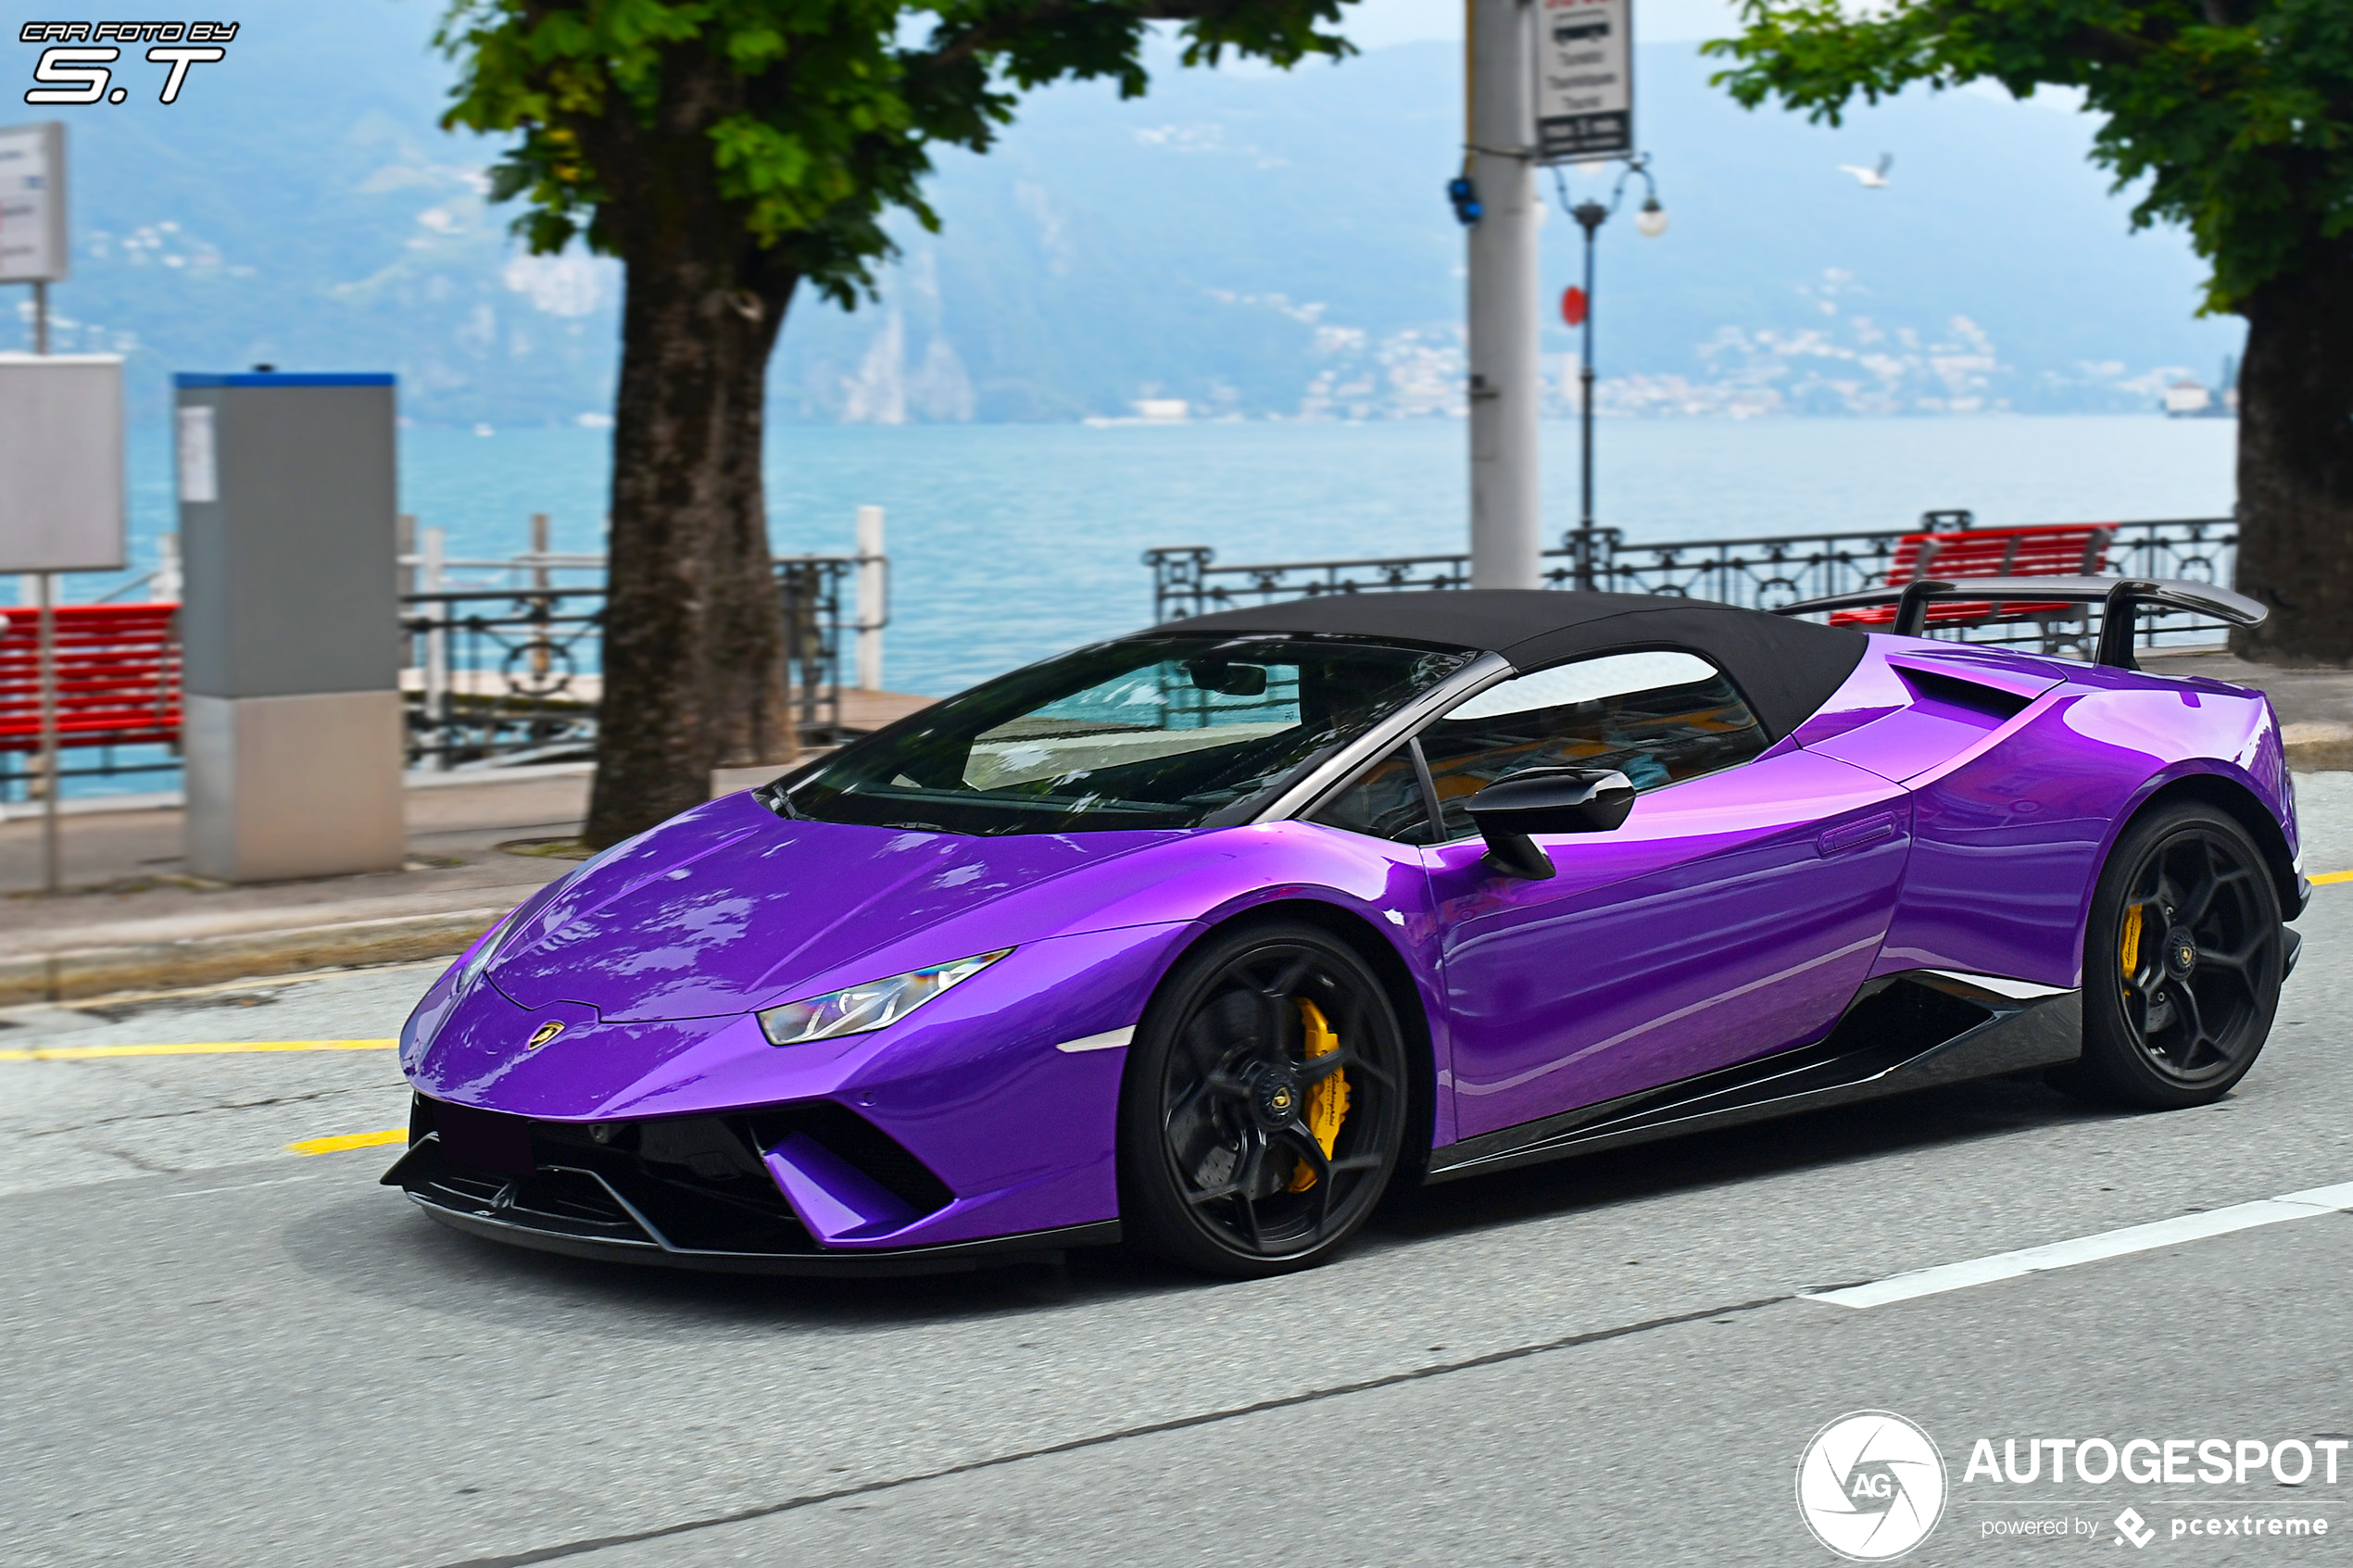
[117, 676]
[2078, 549]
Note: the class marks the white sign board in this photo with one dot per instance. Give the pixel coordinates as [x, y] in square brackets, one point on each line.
[61, 482]
[199, 457]
[32, 204]
[1584, 80]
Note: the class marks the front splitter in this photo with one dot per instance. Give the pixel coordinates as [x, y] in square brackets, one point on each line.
[954, 1256]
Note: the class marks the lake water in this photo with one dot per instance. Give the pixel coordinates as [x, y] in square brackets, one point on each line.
[1009, 542]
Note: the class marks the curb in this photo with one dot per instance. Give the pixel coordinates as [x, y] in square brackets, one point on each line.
[2313, 748]
[203, 960]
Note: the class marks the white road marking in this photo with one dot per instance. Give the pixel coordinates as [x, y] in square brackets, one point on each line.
[239, 1187]
[1108, 1040]
[2091, 1249]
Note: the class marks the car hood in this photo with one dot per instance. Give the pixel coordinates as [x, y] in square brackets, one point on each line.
[729, 907]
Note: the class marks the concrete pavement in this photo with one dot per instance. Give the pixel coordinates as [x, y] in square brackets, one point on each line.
[133, 919]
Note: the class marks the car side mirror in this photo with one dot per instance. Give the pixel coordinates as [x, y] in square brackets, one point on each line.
[1547, 800]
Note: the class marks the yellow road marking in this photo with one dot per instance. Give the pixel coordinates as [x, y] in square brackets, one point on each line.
[207, 1048]
[350, 1140]
[2334, 876]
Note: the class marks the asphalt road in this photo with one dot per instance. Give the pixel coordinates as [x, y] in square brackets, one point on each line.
[214, 1350]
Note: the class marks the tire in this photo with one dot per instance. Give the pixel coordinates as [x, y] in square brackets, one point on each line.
[2182, 958]
[1264, 1107]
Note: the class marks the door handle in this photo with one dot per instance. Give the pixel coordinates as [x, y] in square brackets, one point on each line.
[1856, 835]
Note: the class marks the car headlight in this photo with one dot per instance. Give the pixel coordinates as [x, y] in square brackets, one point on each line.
[484, 951]
[860, 1010]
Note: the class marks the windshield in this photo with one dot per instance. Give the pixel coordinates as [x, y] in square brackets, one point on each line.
[1157, 732]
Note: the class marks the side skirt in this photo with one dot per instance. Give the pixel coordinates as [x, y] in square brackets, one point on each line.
[1913, 1030]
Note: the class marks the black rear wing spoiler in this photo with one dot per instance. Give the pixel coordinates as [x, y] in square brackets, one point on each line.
[2120, 599]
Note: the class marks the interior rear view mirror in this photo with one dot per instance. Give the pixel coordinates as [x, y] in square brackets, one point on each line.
[1547, 800]
[1229, 680]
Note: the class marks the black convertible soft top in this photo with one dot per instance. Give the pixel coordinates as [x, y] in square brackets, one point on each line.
[1786, 669]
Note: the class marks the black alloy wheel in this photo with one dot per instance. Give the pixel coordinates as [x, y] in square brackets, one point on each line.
[2182, 960]
[1264, 1106]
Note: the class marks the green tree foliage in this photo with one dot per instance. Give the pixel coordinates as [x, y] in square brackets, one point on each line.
[2230, 118]
[839, 101]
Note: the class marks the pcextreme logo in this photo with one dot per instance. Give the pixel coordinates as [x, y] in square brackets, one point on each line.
[1870, 1486]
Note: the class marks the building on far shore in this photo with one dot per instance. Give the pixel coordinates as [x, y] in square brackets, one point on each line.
[2187, 399]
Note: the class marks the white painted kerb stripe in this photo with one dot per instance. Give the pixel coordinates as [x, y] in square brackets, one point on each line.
[1108, 1040]
[2091, 1249]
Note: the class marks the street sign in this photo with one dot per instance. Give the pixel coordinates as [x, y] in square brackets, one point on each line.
[32, 203]
[61, 475]
[1584, 80]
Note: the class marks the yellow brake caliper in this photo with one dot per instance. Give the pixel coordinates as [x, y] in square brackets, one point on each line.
[2129, 951]
[1328, 1101]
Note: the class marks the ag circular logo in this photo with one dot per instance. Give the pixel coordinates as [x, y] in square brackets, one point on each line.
[1871, 1486]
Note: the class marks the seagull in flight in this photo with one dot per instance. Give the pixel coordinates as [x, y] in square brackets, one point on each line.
[1870, 179]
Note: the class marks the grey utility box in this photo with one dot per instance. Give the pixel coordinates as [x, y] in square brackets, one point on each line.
[290, 625]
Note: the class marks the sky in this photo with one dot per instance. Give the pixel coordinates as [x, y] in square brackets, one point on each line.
[1378, 23]
[211, 235]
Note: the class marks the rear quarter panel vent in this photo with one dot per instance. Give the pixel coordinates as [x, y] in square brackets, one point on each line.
[1950, 709]
[1936, 690]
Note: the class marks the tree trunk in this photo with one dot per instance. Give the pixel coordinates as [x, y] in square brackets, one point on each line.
[2296, 467]
[693, 634]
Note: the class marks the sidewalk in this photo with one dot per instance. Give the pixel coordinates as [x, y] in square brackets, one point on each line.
[133, 919]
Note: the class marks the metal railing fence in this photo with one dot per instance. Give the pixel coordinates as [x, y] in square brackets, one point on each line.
[508, 671]
[513, 676]
[1765, 573]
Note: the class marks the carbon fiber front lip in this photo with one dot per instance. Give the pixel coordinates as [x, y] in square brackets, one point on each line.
[652, 1247]
[948, 1258]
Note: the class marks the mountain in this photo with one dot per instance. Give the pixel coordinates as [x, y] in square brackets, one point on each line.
[299, 206]
[1253, 243]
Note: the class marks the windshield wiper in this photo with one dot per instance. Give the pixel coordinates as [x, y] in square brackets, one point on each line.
[774, 796]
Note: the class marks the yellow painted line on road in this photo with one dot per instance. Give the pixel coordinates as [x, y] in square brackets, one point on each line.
[206, 1048]
[2332, 876]
[350, 1140]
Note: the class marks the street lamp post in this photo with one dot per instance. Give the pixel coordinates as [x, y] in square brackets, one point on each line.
[1590, 214]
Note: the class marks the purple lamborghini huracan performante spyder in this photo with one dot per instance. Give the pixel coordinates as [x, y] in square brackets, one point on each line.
[1203, 938]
